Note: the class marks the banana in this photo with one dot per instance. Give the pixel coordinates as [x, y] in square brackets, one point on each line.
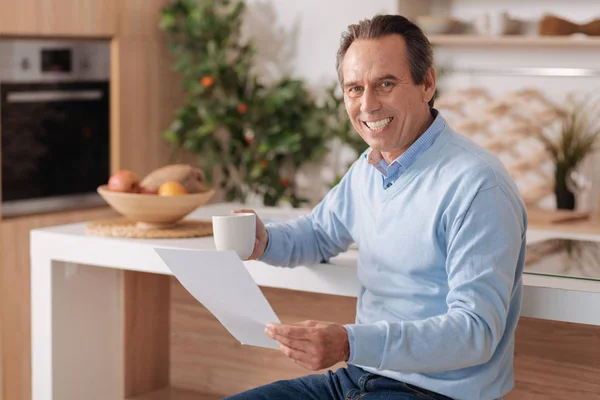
[191, 178]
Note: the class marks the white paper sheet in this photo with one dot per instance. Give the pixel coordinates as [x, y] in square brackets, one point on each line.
[220, 281]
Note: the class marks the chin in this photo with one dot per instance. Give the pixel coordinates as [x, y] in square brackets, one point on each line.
[377, 144]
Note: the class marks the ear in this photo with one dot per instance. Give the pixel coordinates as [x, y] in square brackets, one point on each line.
[429, 83]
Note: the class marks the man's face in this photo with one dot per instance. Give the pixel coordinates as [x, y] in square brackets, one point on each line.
[385, 106]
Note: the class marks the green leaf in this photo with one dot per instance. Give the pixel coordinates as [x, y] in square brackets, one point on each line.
[256, 172]
[167, 21]
[171, 137]
[211, 48]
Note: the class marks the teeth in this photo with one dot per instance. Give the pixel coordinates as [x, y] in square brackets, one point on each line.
[377, 125]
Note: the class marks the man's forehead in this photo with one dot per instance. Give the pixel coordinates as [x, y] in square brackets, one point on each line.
[377, 57]
[371, 74]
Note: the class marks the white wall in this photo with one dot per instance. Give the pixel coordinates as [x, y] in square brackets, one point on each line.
[301, 38]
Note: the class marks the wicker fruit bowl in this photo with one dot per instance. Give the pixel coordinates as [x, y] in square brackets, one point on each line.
[153, 211]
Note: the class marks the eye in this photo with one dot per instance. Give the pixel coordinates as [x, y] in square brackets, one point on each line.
[387, 85]
[355, 91]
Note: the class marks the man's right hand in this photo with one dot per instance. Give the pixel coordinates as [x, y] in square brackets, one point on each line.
[262, 237]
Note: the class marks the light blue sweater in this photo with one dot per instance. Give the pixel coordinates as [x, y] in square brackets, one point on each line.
[440, 263]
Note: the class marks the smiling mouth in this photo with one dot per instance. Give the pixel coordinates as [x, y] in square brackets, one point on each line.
[378, 125]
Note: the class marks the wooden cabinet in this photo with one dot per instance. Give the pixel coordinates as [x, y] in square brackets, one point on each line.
[144, 95]
[15, 294]
[145, 90]
[52, 18]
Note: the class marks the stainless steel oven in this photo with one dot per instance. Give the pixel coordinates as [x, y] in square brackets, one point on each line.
[55, 124]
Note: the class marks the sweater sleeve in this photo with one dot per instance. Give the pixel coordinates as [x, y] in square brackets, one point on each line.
[314, 238]
[482, 264]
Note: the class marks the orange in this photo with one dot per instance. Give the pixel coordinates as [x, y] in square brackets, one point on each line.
[171, 188]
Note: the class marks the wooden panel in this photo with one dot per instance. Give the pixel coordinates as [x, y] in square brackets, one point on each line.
[145, 90]
[146, 332]
[206, 358]
[52, 18]
[145, 96]
[15, 294]
[140, 18]
[554, 360]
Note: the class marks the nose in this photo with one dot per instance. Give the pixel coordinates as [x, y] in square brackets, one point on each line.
[369, 102]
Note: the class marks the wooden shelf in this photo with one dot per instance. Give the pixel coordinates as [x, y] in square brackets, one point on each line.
[176, 394]
[514, 40]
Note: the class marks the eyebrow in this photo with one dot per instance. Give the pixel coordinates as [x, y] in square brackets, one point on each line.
[381, 78]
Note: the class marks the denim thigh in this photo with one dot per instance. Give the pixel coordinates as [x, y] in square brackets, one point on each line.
[310, 387]
[351, 383]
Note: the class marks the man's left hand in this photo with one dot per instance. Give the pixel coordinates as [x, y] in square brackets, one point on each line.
[312, 344]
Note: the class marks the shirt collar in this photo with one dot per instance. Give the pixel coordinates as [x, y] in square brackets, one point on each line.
[406, 159]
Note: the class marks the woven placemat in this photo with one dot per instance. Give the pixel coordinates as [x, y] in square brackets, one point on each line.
[121, 227]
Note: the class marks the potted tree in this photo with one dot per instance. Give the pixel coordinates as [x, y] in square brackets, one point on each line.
[250, 138]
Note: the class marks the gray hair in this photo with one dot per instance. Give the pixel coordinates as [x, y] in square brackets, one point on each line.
[418, 49]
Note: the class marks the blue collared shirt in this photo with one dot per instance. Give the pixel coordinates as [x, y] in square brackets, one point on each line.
[393, 171]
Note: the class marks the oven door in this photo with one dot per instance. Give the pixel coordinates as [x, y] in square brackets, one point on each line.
[55, 145]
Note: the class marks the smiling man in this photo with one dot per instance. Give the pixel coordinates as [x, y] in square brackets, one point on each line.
[441, 230]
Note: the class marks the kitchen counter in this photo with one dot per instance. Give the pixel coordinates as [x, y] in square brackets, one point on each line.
[76, 316]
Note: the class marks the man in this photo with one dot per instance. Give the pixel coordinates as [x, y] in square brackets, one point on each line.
[441, 230]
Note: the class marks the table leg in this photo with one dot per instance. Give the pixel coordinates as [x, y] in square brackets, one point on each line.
[77, 326]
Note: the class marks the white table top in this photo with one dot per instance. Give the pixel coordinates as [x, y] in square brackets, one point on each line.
[71, 243]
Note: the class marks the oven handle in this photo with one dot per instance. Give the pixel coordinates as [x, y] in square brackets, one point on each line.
[52, 96]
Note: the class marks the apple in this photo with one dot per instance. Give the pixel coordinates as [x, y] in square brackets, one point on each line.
[124, 181]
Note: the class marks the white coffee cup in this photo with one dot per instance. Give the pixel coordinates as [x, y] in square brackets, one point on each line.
[235, 232]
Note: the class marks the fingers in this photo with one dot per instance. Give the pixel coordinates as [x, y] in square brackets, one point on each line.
[262, 236]
[243, 211]
[301, 358]
[305, 360]
[310, 323]
[256, 251]
[311, 344]
[296, 331]
[302, 345]
[259, 222]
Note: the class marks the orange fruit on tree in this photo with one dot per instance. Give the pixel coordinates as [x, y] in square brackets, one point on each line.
[242, 108]
[207, 81]
[171, 188]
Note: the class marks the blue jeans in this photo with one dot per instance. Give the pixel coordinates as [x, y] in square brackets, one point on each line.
[351, 383]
